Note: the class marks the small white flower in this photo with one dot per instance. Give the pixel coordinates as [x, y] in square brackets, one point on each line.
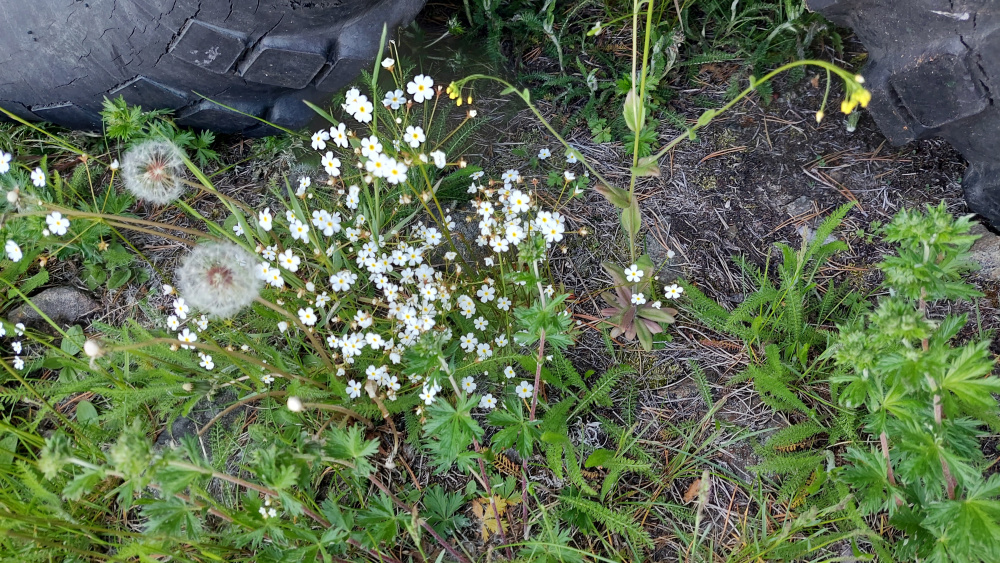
[421, 88]
[181, 308]
[304, 183]
[307, 316]
[544, 153]
[319, 140]
[331, 164]
[394, 99]
[487, 402]
[633, 273]
[569, 175]
[571, 157]
[525, 390]
[481, 323]
[509, 372]
[638, 299]
[503, 304]
[19, 329]
[486, 293]
[18, 363]
[414, 136]
[238, 229]
[115, 165]
[282, 326]
[16, 346]
[439, 159]
[265, 219]
[468, 384]
[300, 231]
[267, 379]
[202, 322]
[58, 224]
[38, 178]
[371, 147]
[13, 251]
[387, 63]
[289, 260]
[672, 291]
[173, 323]
[339, 135]
[363, 111]
[5, 158]
[353, 389]
[206, 362]
[188, 337]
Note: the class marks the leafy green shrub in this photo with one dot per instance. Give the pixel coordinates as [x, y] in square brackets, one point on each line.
[927, 400]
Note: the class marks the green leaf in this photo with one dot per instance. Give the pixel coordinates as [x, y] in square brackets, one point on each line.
[647, 166]
[450, 430]
[74, 343]
[599, 458]
[516, 430]
[707, 117]
[617, 196]
[658, 315]
[86, 413]
[632, 218]
[119, 278]
[634, 111]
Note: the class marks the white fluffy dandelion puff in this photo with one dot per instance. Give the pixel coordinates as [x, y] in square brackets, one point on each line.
[219, 278]
[153, 171]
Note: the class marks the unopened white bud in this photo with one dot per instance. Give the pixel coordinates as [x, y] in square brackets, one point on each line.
[93, 348]
[13, 196]
[294, 404]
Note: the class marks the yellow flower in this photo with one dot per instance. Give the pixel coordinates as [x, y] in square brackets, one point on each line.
[857, 96]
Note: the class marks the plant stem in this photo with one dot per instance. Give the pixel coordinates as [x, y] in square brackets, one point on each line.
[309, 334]
[538, 373]
[395, 500]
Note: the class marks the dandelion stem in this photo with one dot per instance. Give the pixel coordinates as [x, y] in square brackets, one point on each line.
[219, 350]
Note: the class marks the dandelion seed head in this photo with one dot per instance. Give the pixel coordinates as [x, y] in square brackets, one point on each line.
[219, 278]
[152, 171]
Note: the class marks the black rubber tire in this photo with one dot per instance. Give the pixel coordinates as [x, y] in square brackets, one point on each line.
[934, 70]
[59, 59]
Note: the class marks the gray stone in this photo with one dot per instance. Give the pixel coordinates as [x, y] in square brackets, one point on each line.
[986, 251]
[64, 305]
[801, 206]
[665, 272]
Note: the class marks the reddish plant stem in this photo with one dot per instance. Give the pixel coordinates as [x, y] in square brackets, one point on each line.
[489, 492]
[949, 479]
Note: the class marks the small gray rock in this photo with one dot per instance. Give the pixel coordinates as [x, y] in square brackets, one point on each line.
[801, 206]
[658, 254]
[986, 251]
[64, 305]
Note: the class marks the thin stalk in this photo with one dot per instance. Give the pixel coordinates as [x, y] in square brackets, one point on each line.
[309, 334]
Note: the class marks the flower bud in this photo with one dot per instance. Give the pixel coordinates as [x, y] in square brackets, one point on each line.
[13, 196]
[294, 404]
[93, 348]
